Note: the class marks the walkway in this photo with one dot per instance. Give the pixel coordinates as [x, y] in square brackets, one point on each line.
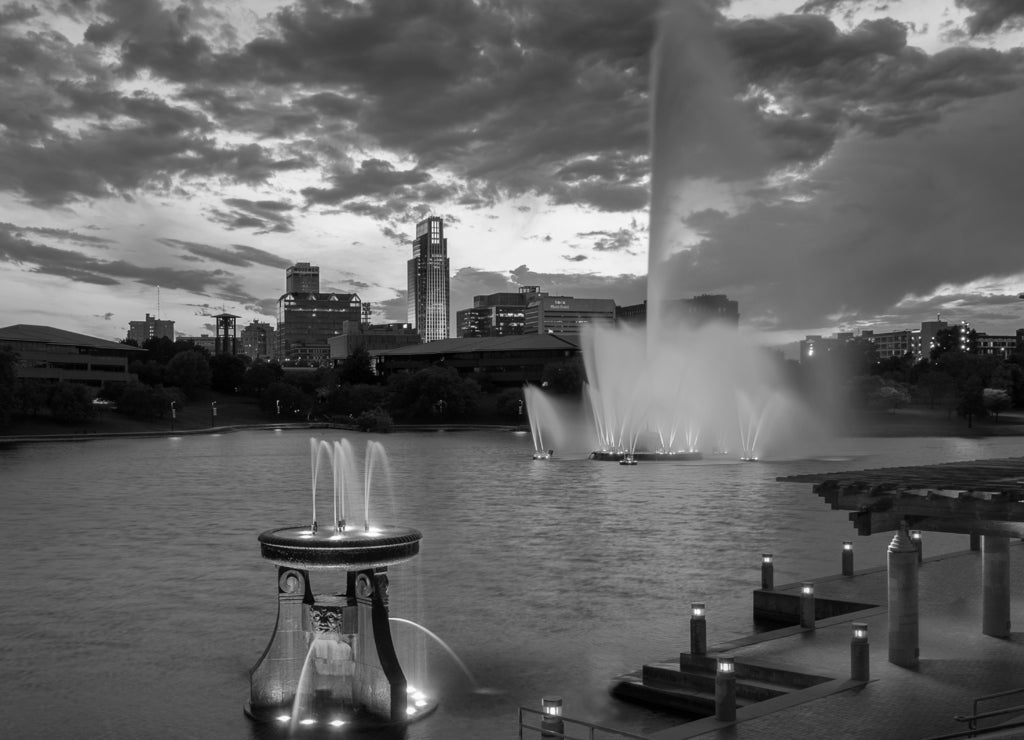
[958, 662]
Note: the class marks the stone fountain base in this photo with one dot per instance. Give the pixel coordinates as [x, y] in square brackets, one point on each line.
[641, 456]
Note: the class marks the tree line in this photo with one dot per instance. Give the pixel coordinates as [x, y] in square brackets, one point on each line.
[174, 374]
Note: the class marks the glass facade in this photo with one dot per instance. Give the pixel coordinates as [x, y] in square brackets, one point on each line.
[428, 283]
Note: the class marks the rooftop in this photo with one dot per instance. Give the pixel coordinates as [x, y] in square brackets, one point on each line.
[50, 335]
[513, 343]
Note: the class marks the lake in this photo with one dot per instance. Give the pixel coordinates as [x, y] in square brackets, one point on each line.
[137, 601]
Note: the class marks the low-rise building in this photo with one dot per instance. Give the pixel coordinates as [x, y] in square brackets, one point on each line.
[509, 361]
[374, 338]
[50, 354]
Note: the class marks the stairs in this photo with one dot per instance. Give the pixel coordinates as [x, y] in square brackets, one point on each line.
[688, 687]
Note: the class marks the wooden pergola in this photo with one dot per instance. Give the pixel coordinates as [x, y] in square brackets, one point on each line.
[979, 497]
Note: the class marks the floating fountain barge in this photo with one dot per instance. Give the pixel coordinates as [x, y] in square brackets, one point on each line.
[335, 649]
[640, 456]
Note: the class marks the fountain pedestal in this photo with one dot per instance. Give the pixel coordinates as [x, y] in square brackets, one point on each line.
[333, 652]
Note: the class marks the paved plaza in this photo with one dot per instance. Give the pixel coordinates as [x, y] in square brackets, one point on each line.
[957, 662]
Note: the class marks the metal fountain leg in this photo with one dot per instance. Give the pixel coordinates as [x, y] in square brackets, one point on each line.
[274, 679]
[379, 684]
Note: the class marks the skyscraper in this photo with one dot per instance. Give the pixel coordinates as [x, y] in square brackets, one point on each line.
[428, 295]
[302, 277]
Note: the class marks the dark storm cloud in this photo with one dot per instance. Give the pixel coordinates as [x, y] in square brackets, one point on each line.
[16, 13]
[47, 260]
[989, 16]
[263, 216]
[61, 234]
[889, 219]
[622, 240]
[238, 255]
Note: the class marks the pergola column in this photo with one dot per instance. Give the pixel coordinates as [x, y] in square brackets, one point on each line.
[903, 632]
[995, 576]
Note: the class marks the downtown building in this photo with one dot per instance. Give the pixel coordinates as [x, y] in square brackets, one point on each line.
[428, 282]
[151, 328]
[259, 340]
[307, 319]
[497, 314]
[694, 312]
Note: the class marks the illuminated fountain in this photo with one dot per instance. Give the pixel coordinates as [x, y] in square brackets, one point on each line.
[667, 389]
[331, 661]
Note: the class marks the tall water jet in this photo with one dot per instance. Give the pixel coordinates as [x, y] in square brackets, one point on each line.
[331, 659]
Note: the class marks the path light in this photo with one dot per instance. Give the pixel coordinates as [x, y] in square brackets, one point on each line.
[847, 558]
[725, 689]
[807, 605]
[860, 658]
[551, 723]
[767, 572]
[915, 537]
[698, 629]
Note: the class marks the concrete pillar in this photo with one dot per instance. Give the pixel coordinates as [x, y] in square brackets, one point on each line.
[995, 576]
[904, 649]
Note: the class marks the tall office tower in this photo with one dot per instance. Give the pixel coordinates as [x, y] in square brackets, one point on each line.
[428, 296]
[302, 277]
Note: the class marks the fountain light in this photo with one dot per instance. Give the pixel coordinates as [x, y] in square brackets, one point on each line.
[336, 722]
[410, 710]
[307, 721]
[860, 631]
[283, 717]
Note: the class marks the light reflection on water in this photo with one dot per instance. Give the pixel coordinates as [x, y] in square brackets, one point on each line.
[136, 600]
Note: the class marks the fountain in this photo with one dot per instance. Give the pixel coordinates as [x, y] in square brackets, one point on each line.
[331, 660]
[670, 389]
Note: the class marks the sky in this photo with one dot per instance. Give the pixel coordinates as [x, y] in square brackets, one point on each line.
[830, 164]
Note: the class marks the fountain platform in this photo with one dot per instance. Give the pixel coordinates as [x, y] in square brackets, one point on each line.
[351, 548]
[642, 456]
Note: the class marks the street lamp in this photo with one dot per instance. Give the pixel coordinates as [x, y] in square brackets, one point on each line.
[277, 403]
[213, 413]
[174, 415]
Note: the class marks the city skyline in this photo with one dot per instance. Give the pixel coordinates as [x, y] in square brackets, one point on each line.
[204, 149]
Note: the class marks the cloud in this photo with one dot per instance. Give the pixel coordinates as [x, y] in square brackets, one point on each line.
[989, 16]
[238, 255]
[888, 218]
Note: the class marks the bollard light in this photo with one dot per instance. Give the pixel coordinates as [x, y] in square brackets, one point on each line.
[551, 706]
[725, 689]
[847, 558]
[860, 656]
[767, 572]
[698, 629]
[807, 610]
[551, 724]
[915, 537]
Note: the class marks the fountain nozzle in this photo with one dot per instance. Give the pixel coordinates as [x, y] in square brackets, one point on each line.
[341, 525]
[313, 528]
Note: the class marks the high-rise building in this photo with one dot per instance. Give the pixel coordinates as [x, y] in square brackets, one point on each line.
[429, 295]
[547, 314]
[143, 331]
[302, 277]
[305, 321]
[258, 340]
[497, 314]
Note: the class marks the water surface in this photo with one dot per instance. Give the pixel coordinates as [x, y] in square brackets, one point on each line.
[136, 600]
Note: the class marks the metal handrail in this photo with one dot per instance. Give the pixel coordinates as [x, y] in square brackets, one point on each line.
[589, 726]
[971, 719]
[997, 695]
[974, 732]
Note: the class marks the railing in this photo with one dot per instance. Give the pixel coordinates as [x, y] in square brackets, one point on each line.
[972, 719]
[589, 727]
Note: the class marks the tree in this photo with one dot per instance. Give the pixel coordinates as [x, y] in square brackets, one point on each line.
[70, 403]
[357, 368]
[189, 371]
[892, 397]
[436, 393]
[31, 396]
[353, 400]
[291, 401]
[259, 375]
[227, 373]
[971, 401]
[375, 420]
[149, 372]
[160, 349]
[996, 401]
[140, 401]
[563, 377]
